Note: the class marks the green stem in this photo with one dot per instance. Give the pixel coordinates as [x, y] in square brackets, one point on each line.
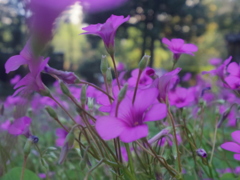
[23, 167]
[136, 87]
[176, 142]
[130, 160]
[115, 70]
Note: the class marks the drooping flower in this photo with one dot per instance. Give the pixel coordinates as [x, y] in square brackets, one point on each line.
[32, 81]
[107, 30]
[233, 146]
[129, 125]
[20, 126]
[178, 47]
[65, 76]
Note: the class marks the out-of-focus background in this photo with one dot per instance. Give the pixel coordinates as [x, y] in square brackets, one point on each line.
[213, 25]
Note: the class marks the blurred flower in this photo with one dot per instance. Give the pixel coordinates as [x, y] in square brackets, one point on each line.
[166, 83]
[15, 79]
[178, 47]
[233, 146]
[93, 6]
[145, 80]
[215, 61]
[5, 125]
[221, 70]
[130, 125]
[20, 126]
[186, 77]
[107, 30]
[44, 15]
[201, 153]
[61, 134]
[32, 81]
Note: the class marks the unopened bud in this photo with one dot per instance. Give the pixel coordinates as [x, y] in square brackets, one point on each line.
[64, 88]
[45, 92]
[201, 152]
[51, 112]
[104, 65]
[122, 92]
[90, 103]
[109, 76]
[144, 62]
[83, 96]
[27, 146]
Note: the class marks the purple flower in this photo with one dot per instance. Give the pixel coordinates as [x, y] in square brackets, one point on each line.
[166, 83]
[20, 126]
[181, 97]
[107, 30]
[15, 79]
[61, 134]
[215, 61]
[221, 70]
[45, 13]
[130, 125]
[178, 47]
[65, 76]
[5, 125]
[145, 80]
[233, 146]
[32, 81]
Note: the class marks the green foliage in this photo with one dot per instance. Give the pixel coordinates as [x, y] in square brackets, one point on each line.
[15, 173]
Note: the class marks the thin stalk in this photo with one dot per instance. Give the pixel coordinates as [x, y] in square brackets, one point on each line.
[106, 85]
[130, 160]
[176, 141]
[23, 167]
[214, 141]
[115, 70]
[63, 109]
[98, 88]
[136, 87]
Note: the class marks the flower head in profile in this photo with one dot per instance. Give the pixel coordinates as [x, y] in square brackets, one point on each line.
[129, 125]
[178, 47]
[107, 30]
[233, 146]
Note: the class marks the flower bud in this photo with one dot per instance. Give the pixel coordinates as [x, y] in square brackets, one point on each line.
[27, 146]
[109, 76]
[201, 152]
[144, 62]
[122, 92]
[90, 103]
[45, 92]
[104, 65]
[64, 88]
[83, 96]
[51, 112]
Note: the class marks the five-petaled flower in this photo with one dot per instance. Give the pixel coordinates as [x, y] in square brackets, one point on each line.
[129, 125]
[107, 30]
[178, 47]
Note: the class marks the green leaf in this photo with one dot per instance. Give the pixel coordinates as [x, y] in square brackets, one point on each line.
[15, 173]
[228, 176]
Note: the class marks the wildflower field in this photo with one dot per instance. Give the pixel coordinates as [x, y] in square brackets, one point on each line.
[140, 124]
